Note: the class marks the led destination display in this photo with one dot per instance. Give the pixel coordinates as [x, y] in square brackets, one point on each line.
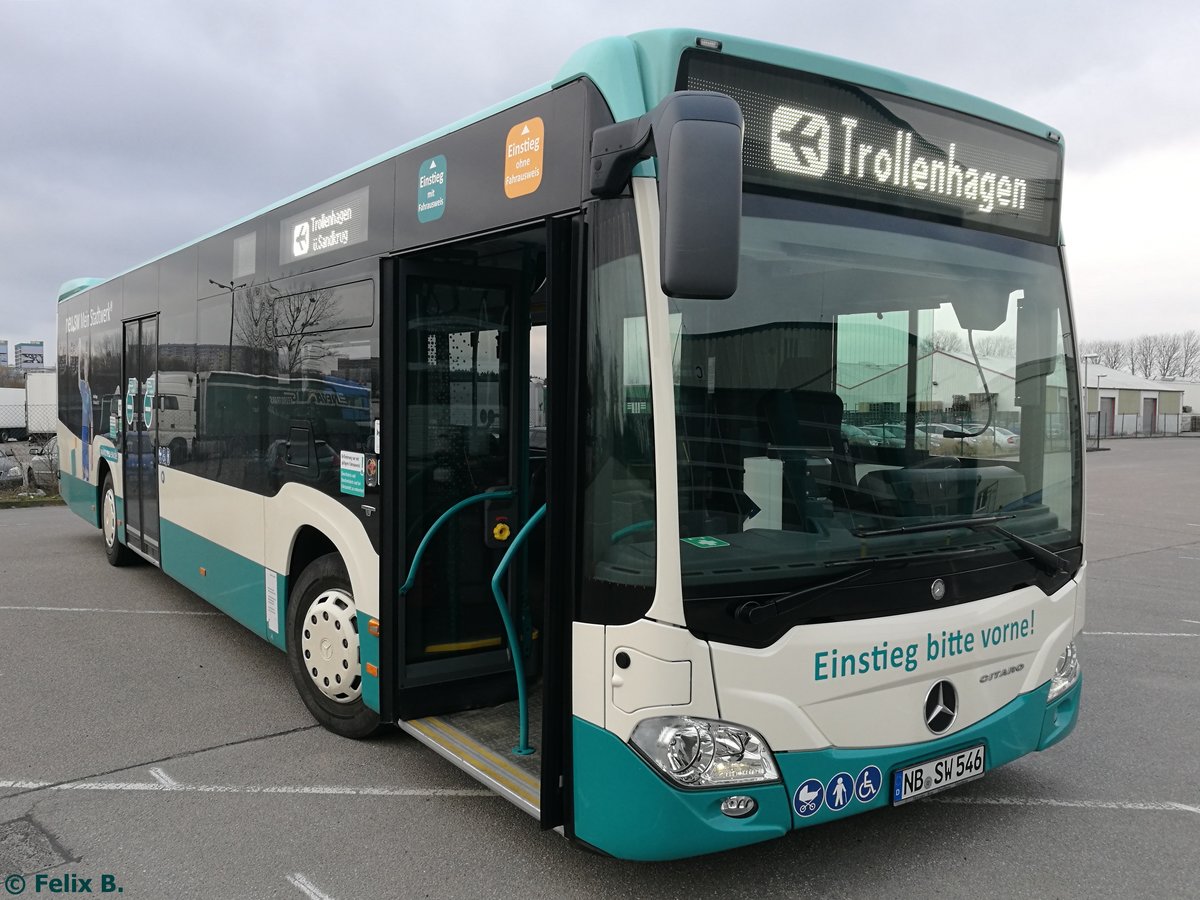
[810, 133]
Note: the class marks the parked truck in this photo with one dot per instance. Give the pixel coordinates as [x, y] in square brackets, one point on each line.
[41, 405]
[12, 414]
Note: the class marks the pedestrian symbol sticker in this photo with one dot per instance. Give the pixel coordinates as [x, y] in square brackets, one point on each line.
[431, 189]
[148, 401]
[706, 542]
[867, 784]
[130, 393]
[523, 157]
[839, 791]
[809, 797]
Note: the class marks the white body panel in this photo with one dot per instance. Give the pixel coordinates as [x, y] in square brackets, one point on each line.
[778, 691]
[263, 529]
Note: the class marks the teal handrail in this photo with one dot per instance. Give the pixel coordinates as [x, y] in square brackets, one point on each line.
[523, 748]
[441, 520]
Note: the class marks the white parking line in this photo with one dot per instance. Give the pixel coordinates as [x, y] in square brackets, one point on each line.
[1150, 806]
[99, 609]
[300, 880]
[1191, 621]
[164, 779]
[314, 789]
[1140, 634]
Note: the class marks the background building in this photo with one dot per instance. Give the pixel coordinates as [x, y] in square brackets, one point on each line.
[1123, 404]
[3, 353]
[29, 355]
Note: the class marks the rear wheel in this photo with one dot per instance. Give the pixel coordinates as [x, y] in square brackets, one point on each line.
[323, 649]
[118, 554]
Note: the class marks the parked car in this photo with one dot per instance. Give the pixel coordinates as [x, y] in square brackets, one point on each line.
[10, 469]
[885, 435]
[42, 471]
[855, 436]
[993, 441]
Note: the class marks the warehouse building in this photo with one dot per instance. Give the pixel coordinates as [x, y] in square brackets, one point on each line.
[1121, 404]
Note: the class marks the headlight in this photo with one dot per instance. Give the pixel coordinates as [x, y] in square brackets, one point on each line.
[14, 472]
[702, 753]
[1066, 673]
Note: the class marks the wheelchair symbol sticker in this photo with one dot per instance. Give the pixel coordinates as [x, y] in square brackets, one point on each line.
[867, 784]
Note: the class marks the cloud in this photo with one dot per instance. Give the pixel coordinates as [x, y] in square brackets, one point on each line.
[133, 127]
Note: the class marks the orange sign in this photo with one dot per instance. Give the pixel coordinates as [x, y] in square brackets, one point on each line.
[523, 157]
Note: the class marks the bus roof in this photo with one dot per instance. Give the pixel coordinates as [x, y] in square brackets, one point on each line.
[633, 74]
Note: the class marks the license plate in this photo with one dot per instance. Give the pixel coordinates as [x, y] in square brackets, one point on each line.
[937, 774]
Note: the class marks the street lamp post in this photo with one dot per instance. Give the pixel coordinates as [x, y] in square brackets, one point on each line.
[1099, 418]
[1087, 358]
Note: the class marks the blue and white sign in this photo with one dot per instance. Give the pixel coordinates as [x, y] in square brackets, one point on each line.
[867, 784]
[839, 791]
[431, 189]
[809, 798]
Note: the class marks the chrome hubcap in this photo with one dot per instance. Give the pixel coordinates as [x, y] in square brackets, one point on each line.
[329, 643]
[110, 518]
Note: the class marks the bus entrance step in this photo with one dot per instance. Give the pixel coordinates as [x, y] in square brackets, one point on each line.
[480, 742]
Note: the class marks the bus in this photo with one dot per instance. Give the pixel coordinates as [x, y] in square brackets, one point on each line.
[674, 610]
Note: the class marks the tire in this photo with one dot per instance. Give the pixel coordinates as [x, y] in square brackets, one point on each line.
[118, 554]
[323, 649]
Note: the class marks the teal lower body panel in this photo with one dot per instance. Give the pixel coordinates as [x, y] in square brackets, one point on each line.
[624, 808]
[81, 497]
[368, 651]
[230, 582]
[1020, 727]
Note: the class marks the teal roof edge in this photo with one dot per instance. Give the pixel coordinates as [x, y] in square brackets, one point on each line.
[658, 54]
[70, 288]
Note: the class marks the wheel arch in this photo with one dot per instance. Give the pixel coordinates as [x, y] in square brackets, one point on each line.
[302, 525]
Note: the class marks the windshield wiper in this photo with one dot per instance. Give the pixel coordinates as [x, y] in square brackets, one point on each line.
[754, 612]
[1046, 560]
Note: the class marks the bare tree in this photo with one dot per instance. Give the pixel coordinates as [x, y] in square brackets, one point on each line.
[289, 327]
[1143, 351]
[946, 341]
[1189, 354]
[1110, 353]
[1167, 357]
[996, 345]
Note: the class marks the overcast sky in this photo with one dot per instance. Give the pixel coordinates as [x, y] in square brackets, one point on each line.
[131, 127]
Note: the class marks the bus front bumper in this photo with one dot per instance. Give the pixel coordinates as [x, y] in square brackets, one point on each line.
[623, 808]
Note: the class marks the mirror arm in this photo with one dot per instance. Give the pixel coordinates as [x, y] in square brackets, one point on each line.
[616, 149]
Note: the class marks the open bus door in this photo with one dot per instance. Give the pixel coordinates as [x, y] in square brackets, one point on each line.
[470, 475]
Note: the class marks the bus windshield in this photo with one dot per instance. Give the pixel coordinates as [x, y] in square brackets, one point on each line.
[873, 374]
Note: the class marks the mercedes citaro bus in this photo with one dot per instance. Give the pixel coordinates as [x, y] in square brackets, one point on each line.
[541, 443]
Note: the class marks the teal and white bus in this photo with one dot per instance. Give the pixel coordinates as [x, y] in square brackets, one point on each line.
[689, 605]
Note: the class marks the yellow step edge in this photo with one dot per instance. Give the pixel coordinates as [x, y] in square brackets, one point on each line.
[520, 788]
[469, 743]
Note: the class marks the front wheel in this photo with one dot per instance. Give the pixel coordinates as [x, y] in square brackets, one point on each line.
[118, 554]
[323, 649]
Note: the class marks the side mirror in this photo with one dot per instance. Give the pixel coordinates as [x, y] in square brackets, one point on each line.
[697, 138]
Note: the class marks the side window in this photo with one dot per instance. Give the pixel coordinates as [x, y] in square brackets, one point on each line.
[619, 527]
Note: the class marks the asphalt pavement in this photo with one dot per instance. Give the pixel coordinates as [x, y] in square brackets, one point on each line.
[146, 738]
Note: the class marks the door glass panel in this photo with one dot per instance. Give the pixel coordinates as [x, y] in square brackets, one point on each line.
[149, 411]
[132, 418]
[458, 446]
